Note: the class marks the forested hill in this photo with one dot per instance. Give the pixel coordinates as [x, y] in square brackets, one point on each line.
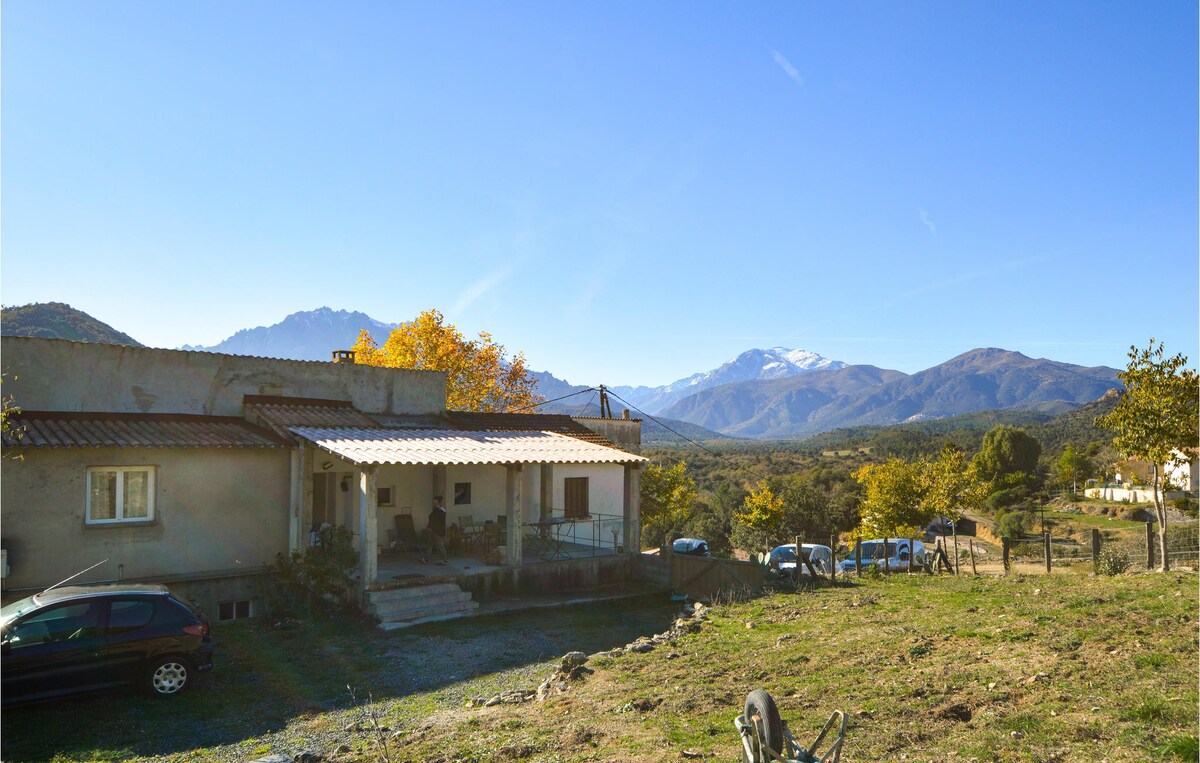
[55, 320]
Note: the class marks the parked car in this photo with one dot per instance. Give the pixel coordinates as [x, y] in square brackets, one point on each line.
[892, 555]
[690, 547]
[84, 638]
[783, 558]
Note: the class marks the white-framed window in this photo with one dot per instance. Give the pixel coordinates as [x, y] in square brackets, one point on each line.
[233, 610]
[117, 494]
[384, 497]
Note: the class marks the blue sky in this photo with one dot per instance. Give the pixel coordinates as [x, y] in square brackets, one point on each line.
[628, 192]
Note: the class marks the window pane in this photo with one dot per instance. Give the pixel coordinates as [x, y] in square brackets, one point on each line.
[128, 615]
[103, 494]
[137, 495]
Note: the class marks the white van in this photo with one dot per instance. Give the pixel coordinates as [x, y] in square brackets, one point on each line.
[891, 554]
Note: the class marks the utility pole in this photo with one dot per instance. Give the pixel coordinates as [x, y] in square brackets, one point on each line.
[605, 409]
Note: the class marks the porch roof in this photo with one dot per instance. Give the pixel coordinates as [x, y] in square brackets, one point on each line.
[444, 446]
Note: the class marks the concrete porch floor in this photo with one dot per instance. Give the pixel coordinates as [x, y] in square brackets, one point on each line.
[399, 566]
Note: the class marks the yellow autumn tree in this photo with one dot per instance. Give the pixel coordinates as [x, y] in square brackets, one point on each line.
[478, 375]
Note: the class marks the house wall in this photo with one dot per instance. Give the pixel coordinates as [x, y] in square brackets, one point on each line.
[60, 375]
[606, 495]
[1184, 476]
[488, 485]
[217, 510]
[626, 434]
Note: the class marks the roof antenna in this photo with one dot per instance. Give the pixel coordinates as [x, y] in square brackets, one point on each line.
[77, 574]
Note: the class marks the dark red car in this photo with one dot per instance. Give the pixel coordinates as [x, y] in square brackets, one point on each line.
[85, 638]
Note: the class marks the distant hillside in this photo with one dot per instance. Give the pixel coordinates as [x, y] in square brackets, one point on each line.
[820, 401]
[1054, 432]
[309, 335]
[1077, 426]
[55, 320]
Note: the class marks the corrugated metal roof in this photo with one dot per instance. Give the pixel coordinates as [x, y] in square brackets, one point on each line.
[58, 429]
[283, 413]
[525, 422]
[428, 447]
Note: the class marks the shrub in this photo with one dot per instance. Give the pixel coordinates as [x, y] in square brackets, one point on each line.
[1007, 497]
[1112, 561]
[1187, 505]
[1013, 524]
[1133, 515]
[314, 582]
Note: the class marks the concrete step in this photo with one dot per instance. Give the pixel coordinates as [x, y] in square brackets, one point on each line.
[385, 610]
[429, 614]
[396, 594]
[424, 603]
[400, 624]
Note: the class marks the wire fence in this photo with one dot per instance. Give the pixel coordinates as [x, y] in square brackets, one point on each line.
[1134, 549]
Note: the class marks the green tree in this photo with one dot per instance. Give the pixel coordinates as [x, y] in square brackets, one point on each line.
[1008, 456]
[668, 501]
[1072, 467]
[780, 511]
[952, 485]
[895, 504]
[479, 375]
[1157, 419]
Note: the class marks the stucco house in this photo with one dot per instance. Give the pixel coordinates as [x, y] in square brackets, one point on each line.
[197, 469]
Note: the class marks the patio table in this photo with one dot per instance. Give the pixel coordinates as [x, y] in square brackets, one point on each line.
[550, 538]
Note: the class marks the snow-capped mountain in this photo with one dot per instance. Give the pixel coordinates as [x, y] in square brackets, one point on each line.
[775, 363]
[308, 335]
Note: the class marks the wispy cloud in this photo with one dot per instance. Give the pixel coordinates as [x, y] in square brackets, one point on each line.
[483, 286]
[928, 223]
[786, 65]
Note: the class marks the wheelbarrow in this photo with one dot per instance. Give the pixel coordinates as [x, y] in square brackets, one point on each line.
[767, 738]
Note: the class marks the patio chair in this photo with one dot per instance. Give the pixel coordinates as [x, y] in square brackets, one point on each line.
[491, 535]
[405, 533]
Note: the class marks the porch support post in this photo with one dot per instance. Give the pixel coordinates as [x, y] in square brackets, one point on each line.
[546, 494]
[633, 508]
[514, 504]
[368, 526]
[306, 485]
[295, 497]
[439, 484]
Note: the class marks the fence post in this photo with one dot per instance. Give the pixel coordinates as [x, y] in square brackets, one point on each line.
[1046, 549]
[972, 544]
[858, 558]
[833, 548]
[954, 527]
[1005, 543]
[1149, 545]
[1095, 551]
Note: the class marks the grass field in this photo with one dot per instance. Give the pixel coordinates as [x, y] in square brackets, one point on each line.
[1063, 667]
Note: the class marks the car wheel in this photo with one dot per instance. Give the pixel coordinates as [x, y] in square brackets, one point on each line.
[168, 676]
[763, 716]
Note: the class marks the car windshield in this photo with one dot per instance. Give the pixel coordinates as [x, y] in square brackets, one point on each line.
[784, 554]
[15, 610]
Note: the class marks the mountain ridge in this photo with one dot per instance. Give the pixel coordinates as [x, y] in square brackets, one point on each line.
[764, 394]
[304, 335]
[58, 320]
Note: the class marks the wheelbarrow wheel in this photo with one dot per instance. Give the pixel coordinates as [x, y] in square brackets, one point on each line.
[762, 714]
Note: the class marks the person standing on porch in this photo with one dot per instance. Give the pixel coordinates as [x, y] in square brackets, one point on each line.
[436, 531]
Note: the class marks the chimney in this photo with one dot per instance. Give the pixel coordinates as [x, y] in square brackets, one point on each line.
[625, 414]
[343, 356]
